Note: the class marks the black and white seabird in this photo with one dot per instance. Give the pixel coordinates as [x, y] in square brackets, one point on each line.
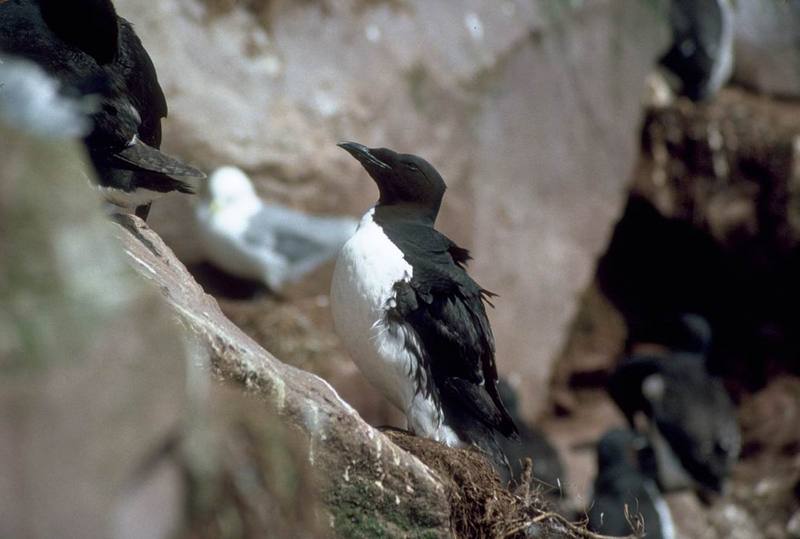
[254, 239]
[623, 483]
[685, 412]
[92, 51]
[409, 314]
[701, 54]
[548, 470]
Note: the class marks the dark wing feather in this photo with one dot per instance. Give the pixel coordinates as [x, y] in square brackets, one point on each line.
[140, 156]
[459, 255]
[694, 413]
[444, 308]
[141, 84]
[699, 421]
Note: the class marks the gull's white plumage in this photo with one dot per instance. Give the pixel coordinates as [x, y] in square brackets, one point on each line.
[368, 266]
[30, 100]
[250, 238]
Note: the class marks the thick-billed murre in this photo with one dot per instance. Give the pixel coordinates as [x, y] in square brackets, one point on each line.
[409, 314]
[685, 412]
[624, 489]
[93, 52]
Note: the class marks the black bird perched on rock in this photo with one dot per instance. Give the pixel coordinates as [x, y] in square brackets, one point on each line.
[686, 413]
[701, 54]
[623, 482]
[548, 469]
[92, 51]
[411, 317]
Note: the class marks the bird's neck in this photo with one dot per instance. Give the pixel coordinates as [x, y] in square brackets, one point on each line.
[407, 211]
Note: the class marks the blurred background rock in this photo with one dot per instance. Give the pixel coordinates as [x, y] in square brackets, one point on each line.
[108, 424]
[529, 109]
[533, 111]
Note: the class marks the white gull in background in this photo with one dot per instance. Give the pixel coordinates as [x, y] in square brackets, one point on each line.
[31, 100]
[253, 239]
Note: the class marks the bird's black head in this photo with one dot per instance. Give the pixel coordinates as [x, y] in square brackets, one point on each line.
[403, 179]
[619, 447]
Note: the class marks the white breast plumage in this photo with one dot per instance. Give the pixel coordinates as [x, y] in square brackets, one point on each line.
[367, 268]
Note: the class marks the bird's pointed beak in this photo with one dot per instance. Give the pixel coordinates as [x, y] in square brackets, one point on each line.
[362, 153]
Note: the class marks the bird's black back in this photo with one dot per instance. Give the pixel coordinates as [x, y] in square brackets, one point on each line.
[623, 480]
[87, 25]
[445, 308]
[24, 32]
[695, 413]
[614, 489]
[138, 77]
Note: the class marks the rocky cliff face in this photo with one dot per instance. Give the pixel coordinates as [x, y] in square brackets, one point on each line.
[133, 408]
[92, 366]
[530, 109]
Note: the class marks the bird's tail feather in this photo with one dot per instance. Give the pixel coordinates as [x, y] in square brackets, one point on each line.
[478, 434]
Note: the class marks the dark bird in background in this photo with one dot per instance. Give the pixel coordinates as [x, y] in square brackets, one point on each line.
[411, 317]
[93, 52]
[687, 333]
[685, 412]
[624, 485]
[701, 54]
[548, 470]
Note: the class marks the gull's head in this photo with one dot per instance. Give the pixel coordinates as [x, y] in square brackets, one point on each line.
[230, 187]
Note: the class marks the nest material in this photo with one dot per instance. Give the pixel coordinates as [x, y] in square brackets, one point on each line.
[480, 505]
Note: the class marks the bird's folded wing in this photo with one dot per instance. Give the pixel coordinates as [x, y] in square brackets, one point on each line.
[295, 236]
[448, 315]
[143, 157]
[474, 398]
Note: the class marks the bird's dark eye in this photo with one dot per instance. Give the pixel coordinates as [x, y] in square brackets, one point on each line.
[411, 166]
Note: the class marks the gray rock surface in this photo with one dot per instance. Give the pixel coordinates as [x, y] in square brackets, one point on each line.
[530, 109]
[92, 369]
[767, 45]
